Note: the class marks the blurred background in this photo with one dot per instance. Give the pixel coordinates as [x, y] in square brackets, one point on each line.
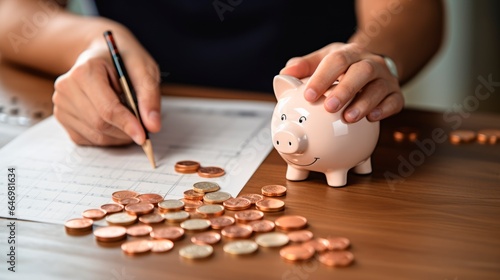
[471, 50]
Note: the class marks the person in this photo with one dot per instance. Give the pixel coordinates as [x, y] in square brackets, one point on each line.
[371, 47]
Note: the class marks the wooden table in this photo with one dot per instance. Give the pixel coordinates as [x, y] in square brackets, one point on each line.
[440, 221]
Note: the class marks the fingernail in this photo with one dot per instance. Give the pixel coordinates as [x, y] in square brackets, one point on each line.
[332, 104]
[310, 95]
[353, 114]
[375, 114]
[154, 116]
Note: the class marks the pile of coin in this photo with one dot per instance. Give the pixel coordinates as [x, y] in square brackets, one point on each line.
[202, 214]
[484, 136]
[190, 166]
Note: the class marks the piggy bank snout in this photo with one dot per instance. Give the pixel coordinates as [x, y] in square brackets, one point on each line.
[290, 141]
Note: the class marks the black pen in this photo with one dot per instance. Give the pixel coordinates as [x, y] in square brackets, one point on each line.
[128, 89]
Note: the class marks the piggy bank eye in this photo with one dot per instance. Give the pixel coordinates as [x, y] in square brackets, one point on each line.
[302, 119]
[283, 117]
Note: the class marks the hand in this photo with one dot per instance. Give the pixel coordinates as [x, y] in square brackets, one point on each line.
[363, 77]
[86, 99]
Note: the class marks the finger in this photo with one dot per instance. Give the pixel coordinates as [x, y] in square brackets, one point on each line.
[391, 105]
[302, 67]
[366, 100]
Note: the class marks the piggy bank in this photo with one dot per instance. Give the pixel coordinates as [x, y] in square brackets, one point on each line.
[309, 138]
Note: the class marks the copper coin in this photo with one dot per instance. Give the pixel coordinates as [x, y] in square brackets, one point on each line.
[193, 195]
[170, 233]
[196, 224]
[336, 258]
[170, 205]
[488, 136]
[216, 197]
[136, 247]
[405, 134]
[128, 200]
[338, 243]
[247, 216]
[211, 210]
[273, 190]
[211, 172]
[221, 222]
[205, 187]
[209, 238]
[161, 245]
[112, 208]
[290, 222]
[262, 226]
[300, 236]
[119, 195]
[153, 218]
[297, 252]
[196, 215]
[139, 230]
[462, 136]
[176, 217]
[270, 205]
[187, 166]
[237, 231]
[318, 244]
[152, 198]
[94, 214]
[122, 218]
[191, 205]
[78, 225]
[110, 233]
[140, 208]
[237, 204]
[253, 197]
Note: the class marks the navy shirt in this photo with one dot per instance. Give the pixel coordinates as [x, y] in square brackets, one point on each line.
[237, 44]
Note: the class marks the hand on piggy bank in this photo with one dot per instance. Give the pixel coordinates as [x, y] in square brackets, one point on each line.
[309, 138]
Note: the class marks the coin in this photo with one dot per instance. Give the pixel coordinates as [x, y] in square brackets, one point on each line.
[187, 166]
[136, 247]
[122, 218]
[196, 251]
[152, 198]
[112, 208]
[153, 218]
[247, 216]
[110, 233]
[209, 237]
[405, 133]
[128, 200]
[272, 239]
[176, 217]
[237, 204]
[462, 136]
[196, 215]
[216, 197]
[338, 243]
[94, 214]
[221, 222]
[240, 247]
[253, 197]
[139, 230]
[488, 136]
[140, 208]
[195, 224]
[170, 233]
[119, 195]
[211, 172]
[300, 236]
[237, 231]
[170, 205]
[318, 244]
[211, 210]
[262, 226]
[78, 225]
[205, 187]
[336, 258]
[161, 245]
[191, 205]
[270, 205]
[193, 195]
[290, 222]
[273, 190]
[297, 252]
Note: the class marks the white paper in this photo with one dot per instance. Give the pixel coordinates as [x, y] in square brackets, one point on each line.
[56, 180]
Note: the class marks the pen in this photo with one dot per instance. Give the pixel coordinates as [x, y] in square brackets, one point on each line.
[130, 96]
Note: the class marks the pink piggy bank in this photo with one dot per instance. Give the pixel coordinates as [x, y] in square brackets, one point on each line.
[309, 138]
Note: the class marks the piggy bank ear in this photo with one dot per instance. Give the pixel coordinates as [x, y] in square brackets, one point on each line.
[282, 83]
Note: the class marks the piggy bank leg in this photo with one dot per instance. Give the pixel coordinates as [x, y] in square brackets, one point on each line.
[336, 178]
[294, 174]
[364, 168]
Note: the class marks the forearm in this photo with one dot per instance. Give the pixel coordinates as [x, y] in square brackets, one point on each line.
[42, 35]
[410, 32]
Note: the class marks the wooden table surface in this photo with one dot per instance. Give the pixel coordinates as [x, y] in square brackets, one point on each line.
[439, 221]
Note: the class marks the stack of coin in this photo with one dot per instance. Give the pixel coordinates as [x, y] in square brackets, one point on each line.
[405, 134]
[187, 166]
[273, 190]
[488, 136]
[110, 233]
[270, 205]
[211, 172]
[190, 166]
[78, 226]
[462, 136]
